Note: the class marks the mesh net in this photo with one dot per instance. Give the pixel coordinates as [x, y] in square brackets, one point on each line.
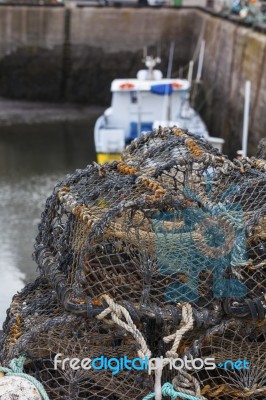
[123, 247]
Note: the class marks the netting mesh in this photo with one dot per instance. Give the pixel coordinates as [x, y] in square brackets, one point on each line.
[123, 247]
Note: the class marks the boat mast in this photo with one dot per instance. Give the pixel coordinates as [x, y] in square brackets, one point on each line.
[201, 60]
[170, 61]
[190, 71]
[196, 87]
[167, 111]
[145, 56]
[139, 111]
[150, 63]
[169, 74]
[246, 118]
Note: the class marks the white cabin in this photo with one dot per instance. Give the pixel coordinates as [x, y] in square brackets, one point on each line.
[142, 104]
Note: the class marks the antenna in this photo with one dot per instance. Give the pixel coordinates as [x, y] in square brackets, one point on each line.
[159, 52]
[145, 52]
[190, 71]
[166, 103]
[170, 61]
[139, 112]
[201, 59]
[246, 118]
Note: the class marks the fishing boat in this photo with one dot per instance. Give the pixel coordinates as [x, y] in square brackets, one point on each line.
[143, 104]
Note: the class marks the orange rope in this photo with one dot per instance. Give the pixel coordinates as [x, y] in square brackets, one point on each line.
[15, 329]
[178, 132]
[227, 390]
[194, 148]
[149, 183]
[158, 190]
[127, 169]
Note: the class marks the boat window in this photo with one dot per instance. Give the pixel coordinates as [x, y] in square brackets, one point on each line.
[133, 96]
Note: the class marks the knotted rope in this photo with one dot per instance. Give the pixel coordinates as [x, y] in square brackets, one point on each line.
[16, 369]
[188, 384]
[117, 312]
[186, 325]
[168, 390]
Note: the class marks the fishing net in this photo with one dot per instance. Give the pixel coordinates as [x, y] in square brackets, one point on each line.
[161, 254]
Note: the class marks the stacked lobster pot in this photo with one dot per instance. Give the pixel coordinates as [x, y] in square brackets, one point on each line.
[160, 256]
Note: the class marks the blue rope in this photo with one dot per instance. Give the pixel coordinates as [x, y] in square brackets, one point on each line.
[16, 369]
[168, 390]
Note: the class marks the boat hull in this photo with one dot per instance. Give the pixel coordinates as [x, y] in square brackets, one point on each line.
[103, 158]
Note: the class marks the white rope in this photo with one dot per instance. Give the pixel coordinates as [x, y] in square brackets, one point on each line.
[158, 382]
[186, 325]
[117, 312]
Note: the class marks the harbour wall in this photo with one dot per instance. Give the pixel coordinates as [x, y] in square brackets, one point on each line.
[60, 54]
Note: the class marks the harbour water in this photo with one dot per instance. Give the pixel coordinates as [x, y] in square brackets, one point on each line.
[33, 157]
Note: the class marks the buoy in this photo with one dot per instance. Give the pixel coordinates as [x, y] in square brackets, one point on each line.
[126, 85]
[16, 384]
[176, 85]
[15, 387]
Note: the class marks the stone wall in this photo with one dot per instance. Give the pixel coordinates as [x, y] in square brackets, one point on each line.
[108, 43]
[31, 45]
[22, 27]
[73, 55]
[54, 53]
[234, 54]
[115, 30]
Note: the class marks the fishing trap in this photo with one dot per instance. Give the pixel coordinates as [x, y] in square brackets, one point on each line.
[160, 254]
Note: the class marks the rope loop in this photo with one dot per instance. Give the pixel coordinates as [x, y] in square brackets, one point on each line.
[117, 313]
[188, 384]
[186, 325]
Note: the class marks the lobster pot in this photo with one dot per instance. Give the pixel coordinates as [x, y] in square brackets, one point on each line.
[124, 248]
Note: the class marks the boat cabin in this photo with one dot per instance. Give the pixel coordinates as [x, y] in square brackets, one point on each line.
[137, 104]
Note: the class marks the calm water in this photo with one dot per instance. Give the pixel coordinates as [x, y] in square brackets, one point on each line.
[32, 159]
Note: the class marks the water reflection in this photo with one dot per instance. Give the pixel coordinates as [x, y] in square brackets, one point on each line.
[32, 159]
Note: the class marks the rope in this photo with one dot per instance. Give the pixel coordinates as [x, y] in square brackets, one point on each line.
[186, 325]
[16, 369]
[225, 389]
[168, 390]
[117, 312]
[158, 383]
[184, 382]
